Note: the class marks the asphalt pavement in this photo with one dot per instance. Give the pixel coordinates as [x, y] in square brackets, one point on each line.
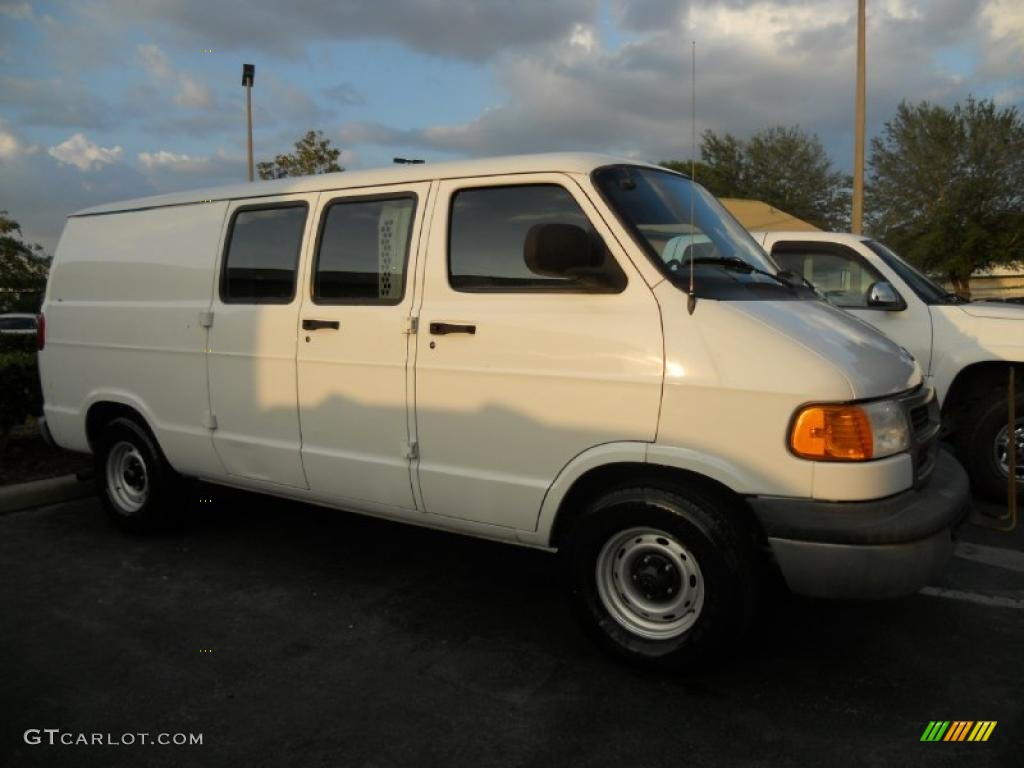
[292, 635]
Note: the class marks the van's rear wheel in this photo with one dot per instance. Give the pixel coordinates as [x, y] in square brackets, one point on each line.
[661, 576]
[138, 488]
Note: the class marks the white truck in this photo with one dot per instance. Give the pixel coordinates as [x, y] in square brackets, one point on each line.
[964, 347]
[504, 348]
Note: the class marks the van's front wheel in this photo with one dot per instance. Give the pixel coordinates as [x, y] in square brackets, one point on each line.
[661, 577]
[138, 488]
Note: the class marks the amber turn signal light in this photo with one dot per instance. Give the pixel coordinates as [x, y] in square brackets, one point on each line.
[832, 432]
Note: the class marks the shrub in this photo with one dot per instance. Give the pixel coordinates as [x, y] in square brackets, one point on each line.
[21, 395]
[17, 342]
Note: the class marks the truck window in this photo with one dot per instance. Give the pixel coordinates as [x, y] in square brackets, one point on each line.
[363, 251]
[487, 234]
[263, 254]
[838, 272]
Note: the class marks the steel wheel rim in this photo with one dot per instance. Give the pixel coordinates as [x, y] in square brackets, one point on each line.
[649, 583]
[127, 477]
[1001, 448]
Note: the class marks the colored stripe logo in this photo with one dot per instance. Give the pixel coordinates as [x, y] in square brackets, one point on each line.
[958, 730]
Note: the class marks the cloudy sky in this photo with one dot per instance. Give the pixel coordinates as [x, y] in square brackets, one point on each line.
[103, 100]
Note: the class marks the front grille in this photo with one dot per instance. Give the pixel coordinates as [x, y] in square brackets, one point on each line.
[919, 418]
[922, 411]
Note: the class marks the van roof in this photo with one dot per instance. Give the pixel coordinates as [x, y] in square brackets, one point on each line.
[565, 162]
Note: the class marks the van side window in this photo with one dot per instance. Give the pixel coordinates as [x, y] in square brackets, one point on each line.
[263, 254]
[488, 233]
[363, 250]
[840, 273]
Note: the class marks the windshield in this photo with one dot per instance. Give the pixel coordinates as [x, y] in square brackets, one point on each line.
[924, 287]
[656, 207]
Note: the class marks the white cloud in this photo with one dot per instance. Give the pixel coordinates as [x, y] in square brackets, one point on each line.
[583, 36]
[161, 166]
[11, 147]
[760, 63]
[191, 93]
[1005, 17]
[155, 61]
[83, 154]
[172, 161]
[1004, 53]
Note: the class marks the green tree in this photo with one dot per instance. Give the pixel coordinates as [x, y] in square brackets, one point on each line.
[947, 187]
[23, 269]
[784, 167]
[313, 154]
[699, 171]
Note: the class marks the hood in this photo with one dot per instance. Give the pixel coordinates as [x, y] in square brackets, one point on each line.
[994, 309]
[872, 363]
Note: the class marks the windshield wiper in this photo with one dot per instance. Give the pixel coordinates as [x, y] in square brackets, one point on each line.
[954, 298]
[736, 263]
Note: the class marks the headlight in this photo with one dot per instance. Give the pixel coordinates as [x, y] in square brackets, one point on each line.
[850, 432]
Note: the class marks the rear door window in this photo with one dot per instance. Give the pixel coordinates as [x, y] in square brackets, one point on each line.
[263, 254]
[363, 251]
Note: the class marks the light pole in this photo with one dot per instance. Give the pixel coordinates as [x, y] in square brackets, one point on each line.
[248, 78]
[857, 219]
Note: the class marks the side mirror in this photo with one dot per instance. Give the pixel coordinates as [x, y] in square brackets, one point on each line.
[882, 295]
[562, 250]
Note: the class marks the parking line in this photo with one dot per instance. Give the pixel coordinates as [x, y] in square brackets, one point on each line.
[1009, 559]
[996, 601]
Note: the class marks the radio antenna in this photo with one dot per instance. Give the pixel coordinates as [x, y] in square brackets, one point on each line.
[691, 299]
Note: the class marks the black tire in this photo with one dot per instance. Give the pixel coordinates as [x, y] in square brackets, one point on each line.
[980, 425]
[137, 487]
[702, 537]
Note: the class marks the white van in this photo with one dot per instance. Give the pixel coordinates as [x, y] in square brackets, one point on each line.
[965, 348]
[501, 348]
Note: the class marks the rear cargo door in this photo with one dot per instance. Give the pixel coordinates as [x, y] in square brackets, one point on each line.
[355, 335]
[251, 355]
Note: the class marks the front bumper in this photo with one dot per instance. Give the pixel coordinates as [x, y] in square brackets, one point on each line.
[870, 549]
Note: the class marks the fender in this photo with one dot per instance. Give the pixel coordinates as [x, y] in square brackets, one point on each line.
[122, 397]
[955, 360]
[68, 425]
[626, 453]
[189, 450]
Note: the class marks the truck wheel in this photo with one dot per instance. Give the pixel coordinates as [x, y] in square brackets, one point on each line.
[662, 577]
[138, 488]
[984, 442]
